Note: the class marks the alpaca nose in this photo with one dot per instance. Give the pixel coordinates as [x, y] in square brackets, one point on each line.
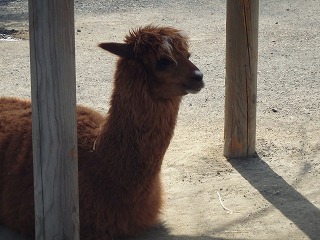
[197, 76]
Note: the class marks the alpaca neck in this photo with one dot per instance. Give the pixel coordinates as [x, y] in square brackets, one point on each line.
[137, 131]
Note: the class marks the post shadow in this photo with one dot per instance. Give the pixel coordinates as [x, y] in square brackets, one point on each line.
[280, 194]
[162, 232]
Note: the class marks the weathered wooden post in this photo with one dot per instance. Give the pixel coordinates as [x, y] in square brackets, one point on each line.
[241, 78]
[52, 55]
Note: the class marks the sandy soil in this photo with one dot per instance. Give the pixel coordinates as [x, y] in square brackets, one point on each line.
[275, 195]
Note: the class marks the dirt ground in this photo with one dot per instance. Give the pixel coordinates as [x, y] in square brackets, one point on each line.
[275, 195]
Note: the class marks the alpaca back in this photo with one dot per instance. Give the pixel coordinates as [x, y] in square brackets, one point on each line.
[15, 137]
[16, 178]
[16, 166]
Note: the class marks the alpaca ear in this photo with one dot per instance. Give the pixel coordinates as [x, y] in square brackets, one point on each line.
[120, 49]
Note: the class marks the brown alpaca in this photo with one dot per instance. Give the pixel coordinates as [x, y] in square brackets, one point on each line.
[120, 155]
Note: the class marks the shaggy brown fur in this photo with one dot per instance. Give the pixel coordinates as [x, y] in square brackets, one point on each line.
[120, 155]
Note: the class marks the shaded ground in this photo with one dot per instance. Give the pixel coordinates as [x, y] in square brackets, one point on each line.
[275, 195]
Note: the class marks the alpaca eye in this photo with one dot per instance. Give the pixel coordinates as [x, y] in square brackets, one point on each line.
[163, 63]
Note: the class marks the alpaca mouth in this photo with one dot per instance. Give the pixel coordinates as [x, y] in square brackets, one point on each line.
[193, 91]
[195, 87]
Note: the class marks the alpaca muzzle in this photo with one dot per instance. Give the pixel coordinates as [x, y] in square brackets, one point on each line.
[196, 83]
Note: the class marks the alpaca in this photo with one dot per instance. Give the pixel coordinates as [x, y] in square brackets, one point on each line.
[120, 155]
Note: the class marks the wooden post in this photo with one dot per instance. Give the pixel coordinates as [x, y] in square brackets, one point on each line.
[241, 78]
[52, 55]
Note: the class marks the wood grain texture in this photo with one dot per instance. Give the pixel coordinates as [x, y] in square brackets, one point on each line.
[241, 78]
[52, 54]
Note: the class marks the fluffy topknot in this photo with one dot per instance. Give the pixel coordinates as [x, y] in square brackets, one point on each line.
[152, 42]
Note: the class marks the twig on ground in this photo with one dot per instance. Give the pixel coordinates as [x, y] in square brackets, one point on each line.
[237, 231]
[225, 208]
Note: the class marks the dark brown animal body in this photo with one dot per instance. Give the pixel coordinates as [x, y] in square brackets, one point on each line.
[120, 155]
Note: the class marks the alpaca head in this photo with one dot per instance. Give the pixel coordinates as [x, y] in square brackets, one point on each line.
[163, 52]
